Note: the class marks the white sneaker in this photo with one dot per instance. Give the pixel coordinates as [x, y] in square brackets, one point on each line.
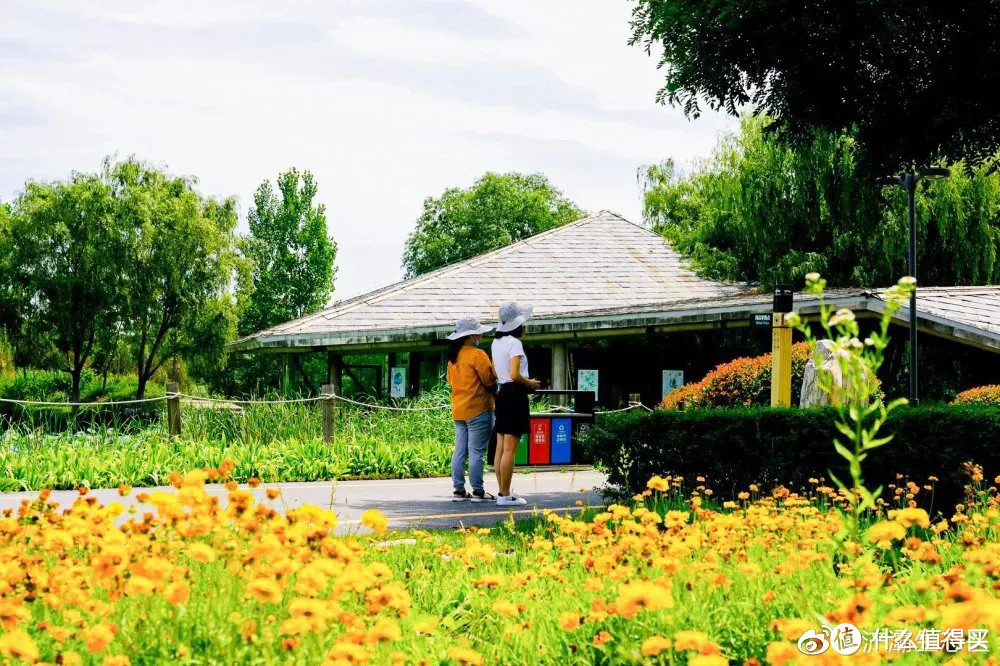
[510, 500]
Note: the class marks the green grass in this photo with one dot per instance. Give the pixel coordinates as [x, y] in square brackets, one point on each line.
[271, 442]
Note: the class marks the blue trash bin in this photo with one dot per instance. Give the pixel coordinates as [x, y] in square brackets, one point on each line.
[562, 437]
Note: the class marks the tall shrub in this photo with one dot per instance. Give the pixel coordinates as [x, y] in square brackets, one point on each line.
[742, 382]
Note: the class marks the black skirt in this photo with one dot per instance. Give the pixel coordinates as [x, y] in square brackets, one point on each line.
[512, 412]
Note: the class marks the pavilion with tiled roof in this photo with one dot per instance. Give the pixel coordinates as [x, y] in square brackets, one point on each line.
[595, 278]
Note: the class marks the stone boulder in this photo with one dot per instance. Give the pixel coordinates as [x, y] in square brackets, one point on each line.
[824, 359]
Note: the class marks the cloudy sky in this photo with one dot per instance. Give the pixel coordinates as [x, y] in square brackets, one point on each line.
[385, 101]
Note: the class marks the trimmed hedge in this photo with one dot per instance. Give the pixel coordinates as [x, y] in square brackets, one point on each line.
[771, 447]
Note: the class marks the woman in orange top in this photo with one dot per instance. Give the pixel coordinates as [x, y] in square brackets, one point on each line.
[473, 384]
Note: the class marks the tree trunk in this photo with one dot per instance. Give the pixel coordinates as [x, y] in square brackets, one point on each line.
[140, 390]
[76, 373]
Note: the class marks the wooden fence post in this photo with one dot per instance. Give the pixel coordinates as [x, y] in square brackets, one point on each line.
[174, 409]
[329, 423]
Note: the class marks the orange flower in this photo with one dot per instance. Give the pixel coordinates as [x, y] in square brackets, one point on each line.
[601, 638]
[98, 637]
[177, 592]
[273, 493]
[570, 620]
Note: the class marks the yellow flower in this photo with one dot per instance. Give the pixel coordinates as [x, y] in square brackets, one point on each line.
[177, 592]
[294, 626]
[911, 516]
[569, 620]
[502, 607]
[690, 640]
[707, 660]
[642, 595]
[375, 520]
[98, 637]
[464, 655]
[264, 590]
[654, 645]
[18, 644]
[384, 630]
[426, 627]
[886, 531]
[201, 552]
[116, 660]
[346, 653]
[658, 483]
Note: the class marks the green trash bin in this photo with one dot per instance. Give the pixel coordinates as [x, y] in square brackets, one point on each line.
[521, 457]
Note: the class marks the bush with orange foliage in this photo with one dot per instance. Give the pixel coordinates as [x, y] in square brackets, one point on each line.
[981, 395]
[738, 383]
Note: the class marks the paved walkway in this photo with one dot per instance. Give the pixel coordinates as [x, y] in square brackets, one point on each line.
[408, 503]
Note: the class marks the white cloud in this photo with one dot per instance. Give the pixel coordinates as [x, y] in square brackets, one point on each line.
[386, 107]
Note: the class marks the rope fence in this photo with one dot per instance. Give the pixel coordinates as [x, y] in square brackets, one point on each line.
[173, 399]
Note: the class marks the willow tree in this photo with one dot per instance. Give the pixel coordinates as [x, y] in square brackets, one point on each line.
[64, 245]
[180, 255]
[760, 210]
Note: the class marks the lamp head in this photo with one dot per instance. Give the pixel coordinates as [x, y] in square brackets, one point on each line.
[935, 172]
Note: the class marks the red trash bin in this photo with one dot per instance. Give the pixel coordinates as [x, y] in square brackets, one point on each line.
[539, 442]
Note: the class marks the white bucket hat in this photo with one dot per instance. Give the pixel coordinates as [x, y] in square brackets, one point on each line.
[467, 326]
[513, 315]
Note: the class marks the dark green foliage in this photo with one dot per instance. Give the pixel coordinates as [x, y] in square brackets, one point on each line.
[52, 386]
[733, 448]
[760, 211]
[293, 255]
[916, 79]
[499, 209]
[293, 271]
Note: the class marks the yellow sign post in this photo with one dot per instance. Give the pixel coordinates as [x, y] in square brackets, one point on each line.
[781, 361]
[781, 348]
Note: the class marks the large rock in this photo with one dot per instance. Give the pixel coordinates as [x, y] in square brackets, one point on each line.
[824, 360]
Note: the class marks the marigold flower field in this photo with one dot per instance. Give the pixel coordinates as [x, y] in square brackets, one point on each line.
[670, 579]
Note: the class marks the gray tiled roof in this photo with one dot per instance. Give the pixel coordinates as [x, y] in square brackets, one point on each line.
[595, 263]
[586, 278]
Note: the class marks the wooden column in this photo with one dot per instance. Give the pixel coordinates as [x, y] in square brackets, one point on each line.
[174, 409]
[286, 381]
[560, 372]
[334, 371]
[329, 417]
[413, 373]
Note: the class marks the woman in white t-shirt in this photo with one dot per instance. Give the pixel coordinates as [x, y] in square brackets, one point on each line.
[512, 412]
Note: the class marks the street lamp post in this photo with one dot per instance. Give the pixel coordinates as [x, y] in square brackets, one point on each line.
[909, 181]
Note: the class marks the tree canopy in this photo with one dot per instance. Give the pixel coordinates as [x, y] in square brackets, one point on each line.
[915, 79]
[499, 209]
[181, 261]
[293, 256]
[129, 253]
[760, 211]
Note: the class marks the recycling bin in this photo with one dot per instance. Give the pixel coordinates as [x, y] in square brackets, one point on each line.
[562, 434]
[539, 444]
[521, 455]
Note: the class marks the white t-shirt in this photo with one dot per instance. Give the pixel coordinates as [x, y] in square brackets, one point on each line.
[504, 349]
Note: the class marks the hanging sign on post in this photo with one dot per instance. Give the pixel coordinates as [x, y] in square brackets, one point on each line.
[397, 382]
[672, 379]
[586, 380]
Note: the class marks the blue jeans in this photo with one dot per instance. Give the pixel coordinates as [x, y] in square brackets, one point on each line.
[472, 438]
